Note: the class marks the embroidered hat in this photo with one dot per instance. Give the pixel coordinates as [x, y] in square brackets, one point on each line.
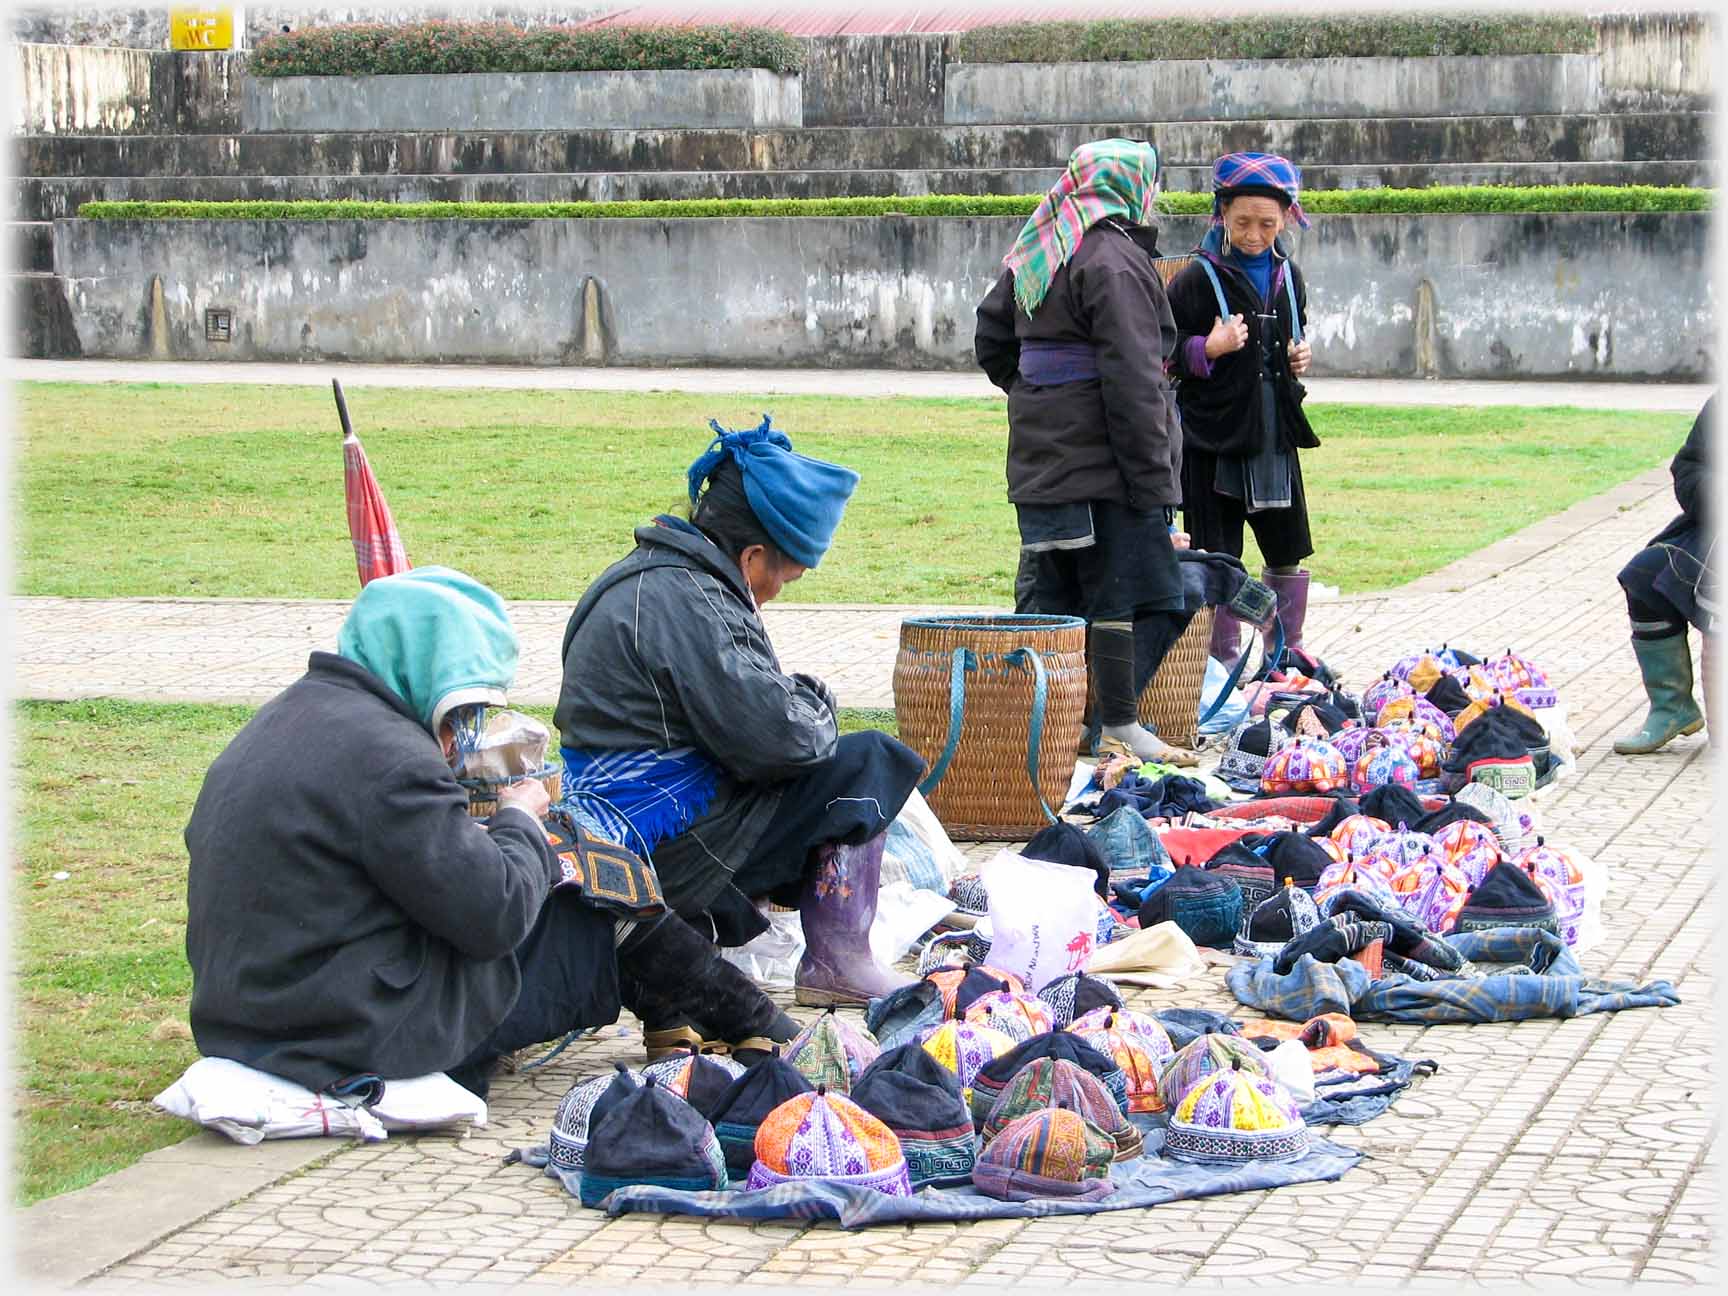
[1205, 1056]
[1563, 881]
[1452, 658]
[956, 949]
[1207, 906]
[919, 1099]
[1018, 1016]
[1423, 713]
[1316, 718]
[1368, 873]
[1277, 920]
[1245, 754]
[1521, 677]
[1050, 1153]
[1306, 765]
[1508, 897]
[1495, 701]
[1138, 1045]
[1449, 695]
[650, 1136]
[1383, 761]
[1417, 741]
[1297, 858]
[1244, 865]
[1493, 756]
[575, 1114]
[1402, 847]
[1351, 743]
[1234, 1116]
[1358, 832]
[1473, 847]
[964, 1048]
[969, 896]
[1478, 686]
[1267, 175]
[1335, 854]
[1052, 1082]
[1453, 811]
[899, 1016]
[832, 1051]
[961, 987]
[1394, 804]
[989, 1083]
[746, 1103]
[698, 1078]
[1075, 993]
[1382, 691]
[1338, 809]
[827, 1136]
[1429, 889]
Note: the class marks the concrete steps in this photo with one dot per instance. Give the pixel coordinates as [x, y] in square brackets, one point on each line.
[37, 301]
[53, 198]
[1337, 142]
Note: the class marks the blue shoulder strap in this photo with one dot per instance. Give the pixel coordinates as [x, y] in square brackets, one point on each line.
[1289, 292]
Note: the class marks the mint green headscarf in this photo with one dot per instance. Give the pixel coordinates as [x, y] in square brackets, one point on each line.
[437, 637]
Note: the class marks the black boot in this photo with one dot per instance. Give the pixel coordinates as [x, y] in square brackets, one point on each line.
[673, 978]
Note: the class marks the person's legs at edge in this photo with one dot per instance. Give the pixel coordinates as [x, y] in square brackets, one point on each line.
[1664, 658]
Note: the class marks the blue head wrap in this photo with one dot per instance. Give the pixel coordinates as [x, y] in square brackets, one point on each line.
[798, 500]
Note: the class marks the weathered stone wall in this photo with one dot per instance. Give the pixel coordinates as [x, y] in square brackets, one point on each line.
[513, 101]
[1528, 296]
[874, 80]
[71, 89]
[146, 27]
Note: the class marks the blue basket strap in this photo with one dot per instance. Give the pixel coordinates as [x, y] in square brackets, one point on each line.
[963, 661]
[1290, 293]
[1029, 657]
[1217, 288]
[1241, 662]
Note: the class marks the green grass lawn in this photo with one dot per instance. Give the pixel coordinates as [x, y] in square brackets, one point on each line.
[103, 790]
[143, 489]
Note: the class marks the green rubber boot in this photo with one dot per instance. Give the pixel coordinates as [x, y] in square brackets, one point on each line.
[1666, 665]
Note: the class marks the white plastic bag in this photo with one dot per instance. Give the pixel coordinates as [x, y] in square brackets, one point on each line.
[1293, 1069]
[250, 1106]
[772, 958]
[917, 849]
[1595, 876]
[427, 1102]
[1043, 917]
[903, 914]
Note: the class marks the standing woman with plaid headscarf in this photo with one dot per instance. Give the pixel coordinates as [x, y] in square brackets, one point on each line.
[1077, 331]
[1240, 308]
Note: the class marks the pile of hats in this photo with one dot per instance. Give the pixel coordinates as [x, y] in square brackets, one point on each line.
[1433, 722]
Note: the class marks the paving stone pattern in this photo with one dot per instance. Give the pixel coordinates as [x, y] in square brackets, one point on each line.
[1579, 1151]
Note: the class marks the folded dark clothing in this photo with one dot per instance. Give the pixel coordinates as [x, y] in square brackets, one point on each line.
[1167, 797]
[1185, 1025]
[1209, 579]
[1329, 942]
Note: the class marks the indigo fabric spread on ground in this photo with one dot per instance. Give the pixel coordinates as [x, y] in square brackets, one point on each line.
[1147, 1180]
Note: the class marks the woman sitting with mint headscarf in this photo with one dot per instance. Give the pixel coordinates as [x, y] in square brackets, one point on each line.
[347, 919]
[685, 741]
[1240, 308]
[1076, 331]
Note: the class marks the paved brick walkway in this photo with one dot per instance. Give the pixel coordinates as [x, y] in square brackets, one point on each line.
[1578, 1150]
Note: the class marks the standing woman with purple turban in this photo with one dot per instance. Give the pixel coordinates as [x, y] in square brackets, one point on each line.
[1077, 331]
[1240, 310]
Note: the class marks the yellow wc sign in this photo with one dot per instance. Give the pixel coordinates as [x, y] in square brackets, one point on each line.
[209, 28]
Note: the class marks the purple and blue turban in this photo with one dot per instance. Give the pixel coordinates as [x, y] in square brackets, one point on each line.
[1264, 174]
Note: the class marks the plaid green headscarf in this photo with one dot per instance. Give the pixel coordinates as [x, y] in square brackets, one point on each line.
[1113, 177]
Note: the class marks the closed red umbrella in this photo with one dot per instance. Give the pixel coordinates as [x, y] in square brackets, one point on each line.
[378, 547]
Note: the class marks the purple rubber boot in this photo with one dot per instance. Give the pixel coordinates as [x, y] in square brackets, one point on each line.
[1226, 645]
[1292, 591]
[837, 907]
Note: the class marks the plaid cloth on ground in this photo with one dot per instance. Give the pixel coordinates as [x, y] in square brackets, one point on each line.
[1547, 983]
[1113, 177]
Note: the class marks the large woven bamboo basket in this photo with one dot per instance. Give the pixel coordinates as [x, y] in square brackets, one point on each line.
[1170, 702]
[986, 792]
[1171, 266]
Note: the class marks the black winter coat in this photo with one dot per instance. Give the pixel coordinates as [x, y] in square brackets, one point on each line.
[1687, 584]
[1115, 437]
[1221, 413]
[345, 915]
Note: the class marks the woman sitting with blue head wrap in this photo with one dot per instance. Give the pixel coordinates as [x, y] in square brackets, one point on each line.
[685, 741]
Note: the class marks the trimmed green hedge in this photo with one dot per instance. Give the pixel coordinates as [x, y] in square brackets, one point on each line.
[374, 49]
[1361, 202]
[1358, 36]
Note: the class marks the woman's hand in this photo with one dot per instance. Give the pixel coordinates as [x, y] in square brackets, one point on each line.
[1180, 540]
[529, 794]
[1301, 354]
[1227, 335]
